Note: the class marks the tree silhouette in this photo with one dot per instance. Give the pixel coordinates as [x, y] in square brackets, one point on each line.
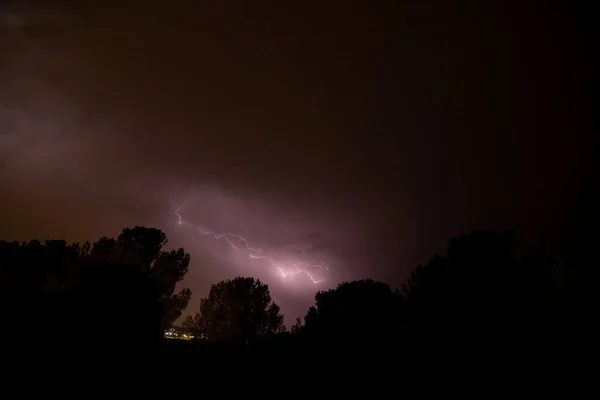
[488, 289]
[142, 246]
[174, 305]
[363, 310]
[141, 276]
[192, 326]
[297, 327]
[237, 310]
[488, 285]
[115, 285]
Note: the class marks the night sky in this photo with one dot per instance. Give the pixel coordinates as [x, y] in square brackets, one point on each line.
[357, 136]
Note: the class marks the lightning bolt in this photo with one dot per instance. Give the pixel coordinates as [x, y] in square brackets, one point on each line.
[257, 253]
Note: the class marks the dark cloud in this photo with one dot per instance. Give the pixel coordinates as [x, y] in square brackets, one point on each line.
[369, 133]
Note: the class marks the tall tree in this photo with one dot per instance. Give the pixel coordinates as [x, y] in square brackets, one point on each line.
[238, 310]
[489, 283]
[192, 325]
[173, 306]
[141, 249]
[362, 310]
[127, 284]
[141, 245]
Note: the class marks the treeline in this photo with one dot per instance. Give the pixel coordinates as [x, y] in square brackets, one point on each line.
[488, 289]
[111, 289]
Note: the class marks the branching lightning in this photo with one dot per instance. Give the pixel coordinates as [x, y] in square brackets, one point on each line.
[284, 269]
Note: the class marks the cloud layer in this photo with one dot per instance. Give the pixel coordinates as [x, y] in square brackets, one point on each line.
[367, 134]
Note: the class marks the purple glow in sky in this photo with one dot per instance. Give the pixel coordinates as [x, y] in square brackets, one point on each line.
[358, 137]
[290, 267]
[228, 234]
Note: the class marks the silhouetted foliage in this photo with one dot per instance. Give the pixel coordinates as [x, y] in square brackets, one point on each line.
[174, 305]
[488, 290]
[115, 286]
[297, 327]
[237, 310]
[362, 310]
[487, 286]
[192, 326]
